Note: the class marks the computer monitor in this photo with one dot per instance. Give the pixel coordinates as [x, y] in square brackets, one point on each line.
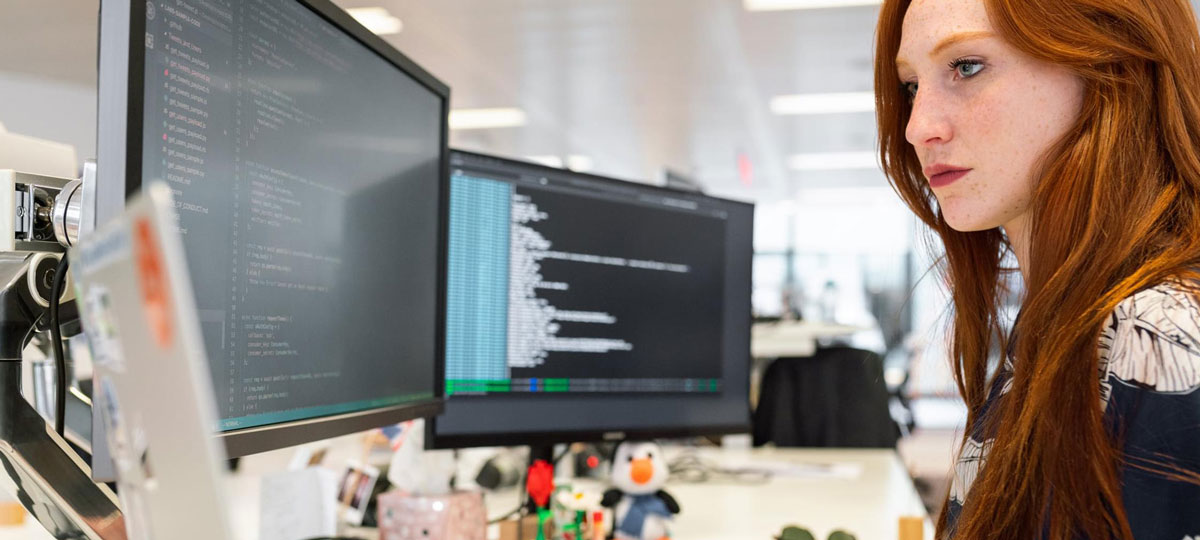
[307, 159]
[580, 307]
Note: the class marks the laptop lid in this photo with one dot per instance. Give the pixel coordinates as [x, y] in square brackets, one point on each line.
[137, 308]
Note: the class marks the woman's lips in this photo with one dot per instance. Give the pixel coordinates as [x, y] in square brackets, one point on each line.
[947, 178]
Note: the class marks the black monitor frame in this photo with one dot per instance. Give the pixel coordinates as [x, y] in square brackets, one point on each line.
[537, 439]
[119, 176]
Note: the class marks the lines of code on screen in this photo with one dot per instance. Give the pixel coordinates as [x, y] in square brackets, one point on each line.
[305, 169]
[560, 284]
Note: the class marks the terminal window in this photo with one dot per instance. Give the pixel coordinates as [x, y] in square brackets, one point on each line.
[562, 283]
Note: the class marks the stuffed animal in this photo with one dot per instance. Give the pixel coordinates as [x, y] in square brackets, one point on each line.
[642, 509]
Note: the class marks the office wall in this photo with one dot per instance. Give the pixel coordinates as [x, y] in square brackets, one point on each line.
[48, 109]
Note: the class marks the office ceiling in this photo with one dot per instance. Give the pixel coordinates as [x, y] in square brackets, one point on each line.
[635, 85]
[641, 85]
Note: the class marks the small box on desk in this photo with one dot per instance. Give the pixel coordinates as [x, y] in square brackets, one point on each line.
[457, 516]
[523, 528]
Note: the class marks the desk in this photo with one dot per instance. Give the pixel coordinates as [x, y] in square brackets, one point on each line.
[868, 505]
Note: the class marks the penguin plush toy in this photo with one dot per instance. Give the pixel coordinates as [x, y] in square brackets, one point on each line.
[642, 509]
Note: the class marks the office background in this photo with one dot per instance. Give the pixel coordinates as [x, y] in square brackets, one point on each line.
[751, 103]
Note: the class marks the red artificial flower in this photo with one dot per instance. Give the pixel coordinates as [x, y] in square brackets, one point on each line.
[540, 482]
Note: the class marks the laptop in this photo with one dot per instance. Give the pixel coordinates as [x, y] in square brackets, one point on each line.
[136, 305]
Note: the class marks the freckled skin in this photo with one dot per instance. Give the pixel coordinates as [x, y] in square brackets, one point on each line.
[998, 121]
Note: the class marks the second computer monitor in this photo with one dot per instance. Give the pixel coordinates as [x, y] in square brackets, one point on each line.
[580, 307]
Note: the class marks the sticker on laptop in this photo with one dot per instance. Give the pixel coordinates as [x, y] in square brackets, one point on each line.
[103, 335]
[152, 278]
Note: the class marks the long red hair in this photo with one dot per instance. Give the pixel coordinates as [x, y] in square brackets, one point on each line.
[1116, 209]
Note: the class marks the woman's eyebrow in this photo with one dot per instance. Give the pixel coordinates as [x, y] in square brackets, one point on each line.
[954, 39]
[948, 41]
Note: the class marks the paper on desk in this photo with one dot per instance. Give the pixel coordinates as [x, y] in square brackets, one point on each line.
[298, 504]
[814, 470]
[416, 470]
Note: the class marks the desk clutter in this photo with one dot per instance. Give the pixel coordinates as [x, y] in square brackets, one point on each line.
[911, 528]
[559, 503]
[639, 506]
[793, 532]
[867, 505]
[454, 516]
[413, 497]
[574, 515]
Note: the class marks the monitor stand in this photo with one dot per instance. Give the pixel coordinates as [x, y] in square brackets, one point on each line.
[40, 468]
[544, 452]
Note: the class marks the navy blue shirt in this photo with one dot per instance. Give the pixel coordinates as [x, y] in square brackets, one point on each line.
[1150, 394]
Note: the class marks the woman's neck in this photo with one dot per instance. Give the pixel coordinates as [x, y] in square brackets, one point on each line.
[1017, 231]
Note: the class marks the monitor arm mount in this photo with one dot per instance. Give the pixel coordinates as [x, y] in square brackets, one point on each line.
[39, 215]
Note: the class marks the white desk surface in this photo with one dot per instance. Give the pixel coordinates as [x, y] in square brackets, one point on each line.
[868, 505]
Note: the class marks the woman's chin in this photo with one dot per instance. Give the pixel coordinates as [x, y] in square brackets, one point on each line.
[965, 221]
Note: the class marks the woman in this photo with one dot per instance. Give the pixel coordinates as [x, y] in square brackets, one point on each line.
[1066, 132]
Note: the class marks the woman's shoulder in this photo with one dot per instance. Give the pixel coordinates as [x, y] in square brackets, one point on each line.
[1152, 339]
[1150, 364]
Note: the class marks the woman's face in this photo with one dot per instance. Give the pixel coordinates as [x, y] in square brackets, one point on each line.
[983, 113]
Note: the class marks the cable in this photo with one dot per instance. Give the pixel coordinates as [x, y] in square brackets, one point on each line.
[521, 494]
[60, 358]
[690, 468]
[557, 458]
[515, 511]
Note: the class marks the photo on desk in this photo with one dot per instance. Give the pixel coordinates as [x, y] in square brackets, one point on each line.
[355, 491]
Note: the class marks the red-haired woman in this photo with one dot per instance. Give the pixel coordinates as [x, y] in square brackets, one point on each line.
[1066, 132]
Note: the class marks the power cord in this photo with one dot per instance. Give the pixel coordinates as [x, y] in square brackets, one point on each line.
[520, 497]
[690, 468]
[60, 358]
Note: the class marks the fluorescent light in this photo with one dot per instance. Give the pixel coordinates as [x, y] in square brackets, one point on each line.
[575, 162]
[846, 102]
[486, 118]
[830, 161]
[779, 5]
[549, 161]
[579, 163]
[377, 20]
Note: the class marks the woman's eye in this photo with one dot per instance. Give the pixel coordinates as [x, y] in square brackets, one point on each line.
[966, 68]
[910, 89]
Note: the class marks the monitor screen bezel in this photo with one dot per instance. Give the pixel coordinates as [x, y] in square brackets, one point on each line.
[434, 440]
[120, 118]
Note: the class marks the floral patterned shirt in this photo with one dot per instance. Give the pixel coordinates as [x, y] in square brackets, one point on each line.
[1150, 391]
